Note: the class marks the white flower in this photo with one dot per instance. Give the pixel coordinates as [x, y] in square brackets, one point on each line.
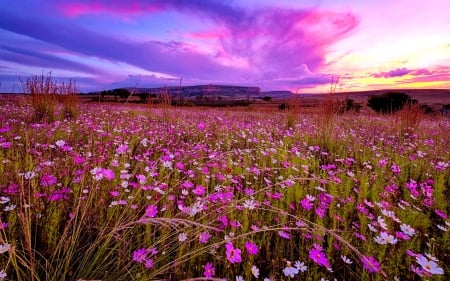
[60, 143]
[255, 271]
[300, 266]
[346, 260]
[4, 248]
[9, 208]
[4, 200]
[385, 238]
[429, 266]
[29, 175]
[381, 223]
[239, 278]
[408, 230]
[250, 204]
[3, 275]
[443, 228]
[289, 270]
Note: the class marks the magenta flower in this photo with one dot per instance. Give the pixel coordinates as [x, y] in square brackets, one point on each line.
[48, 180]
[140, 255]
[108, 174]
[306, 204]
[233, 254]
[252, 248]
[151, 211]
[370, 263]
[209, 270]
[203, 237]
[317, 255]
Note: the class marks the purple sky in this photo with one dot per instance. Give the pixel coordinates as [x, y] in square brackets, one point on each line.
[295, 45]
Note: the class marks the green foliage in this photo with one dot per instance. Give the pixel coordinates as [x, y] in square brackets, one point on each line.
[389, 102]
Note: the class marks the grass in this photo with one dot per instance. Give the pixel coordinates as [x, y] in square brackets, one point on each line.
[123, 194]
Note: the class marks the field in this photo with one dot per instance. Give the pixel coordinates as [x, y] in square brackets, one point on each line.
[134, 192]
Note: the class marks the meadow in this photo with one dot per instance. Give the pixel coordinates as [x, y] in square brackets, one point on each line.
[126, 192]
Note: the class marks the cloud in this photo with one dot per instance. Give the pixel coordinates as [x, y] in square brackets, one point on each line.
[392, 73]
[257, 44]
[399, 72]
[32, 58]
[267, 41]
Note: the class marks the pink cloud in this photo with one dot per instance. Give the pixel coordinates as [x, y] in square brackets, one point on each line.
[392, 73]
[76, 9]
[276, 42]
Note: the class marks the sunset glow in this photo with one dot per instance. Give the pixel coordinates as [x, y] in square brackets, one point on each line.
[276, 45]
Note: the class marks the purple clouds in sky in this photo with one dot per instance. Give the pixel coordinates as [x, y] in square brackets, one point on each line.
[250, 44]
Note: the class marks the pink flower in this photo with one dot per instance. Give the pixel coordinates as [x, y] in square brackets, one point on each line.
[121, 149]
[48, 180]
[252, 248]
[209, 270]
[306, 204]
[203, 237]
[140, 255]
[233, 254]
[151, 211]
[108, 174]
[317, 255]
[370, 263]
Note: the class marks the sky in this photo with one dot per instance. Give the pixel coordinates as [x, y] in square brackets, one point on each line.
[297, 45]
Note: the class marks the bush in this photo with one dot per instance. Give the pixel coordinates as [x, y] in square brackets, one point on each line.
[43, 96]
[389, 102]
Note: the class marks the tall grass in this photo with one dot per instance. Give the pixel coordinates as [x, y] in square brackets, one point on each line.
[119, 194]
[45, 96]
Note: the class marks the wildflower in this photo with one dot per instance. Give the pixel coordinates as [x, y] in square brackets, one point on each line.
[407, 230]
[140, 255]
[182, 237]
[203, 237]
[148, 263]
[121, 149]
[317, 255]
[3, 274]
[385, 238]
[233, 254]
[289, 270]
[252, 248]
[300, 266]
[381, 223]
[209, 270]
[4, 248]
[48, 180]
[346, 260]
[4, 200]
[239, 278]
[29, 175]
[370, 263]
[429, 266]
[441, 214]
[201, 126]
[60, 143]
[250, 204]
[151, 211]
[255, 271]
[306, 204]
[284, 234]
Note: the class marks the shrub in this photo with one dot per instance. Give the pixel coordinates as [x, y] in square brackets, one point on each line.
[69, 99]
[43, 96]
[389, 102]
